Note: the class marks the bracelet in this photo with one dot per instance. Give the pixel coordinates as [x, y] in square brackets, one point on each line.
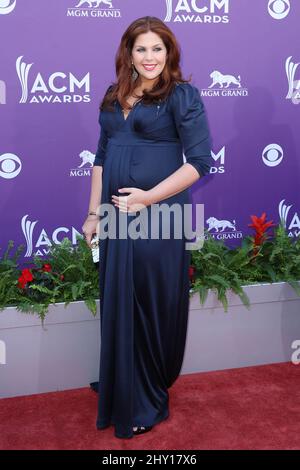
[92, 213]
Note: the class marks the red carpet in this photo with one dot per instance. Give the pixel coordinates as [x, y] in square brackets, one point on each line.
[248, 408]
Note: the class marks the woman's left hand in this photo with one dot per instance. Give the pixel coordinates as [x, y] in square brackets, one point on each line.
[135, 201]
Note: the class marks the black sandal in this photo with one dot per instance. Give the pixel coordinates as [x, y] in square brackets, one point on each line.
[141, 429]
[94, 386]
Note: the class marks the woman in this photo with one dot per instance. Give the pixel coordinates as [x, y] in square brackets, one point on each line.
[148, 118]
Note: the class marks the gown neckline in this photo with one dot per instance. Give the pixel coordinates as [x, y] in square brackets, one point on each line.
[122, 113]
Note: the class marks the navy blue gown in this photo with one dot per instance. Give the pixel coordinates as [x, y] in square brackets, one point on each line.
[144, 282]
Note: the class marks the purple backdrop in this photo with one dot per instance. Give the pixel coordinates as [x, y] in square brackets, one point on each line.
[57, 59]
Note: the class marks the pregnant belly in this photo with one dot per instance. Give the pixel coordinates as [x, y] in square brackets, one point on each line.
[139, 166]
[149, 165]
[142, 167]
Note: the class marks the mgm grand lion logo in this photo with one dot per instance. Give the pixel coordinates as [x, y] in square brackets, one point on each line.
[93, 9]
[86, 157]
[219, 79]
[224, 85]
[94, 3]
[215, 224]
[87, 162]
[223, 229]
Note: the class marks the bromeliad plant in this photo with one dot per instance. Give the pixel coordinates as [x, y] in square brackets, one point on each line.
[68, 273]
[260, 258]
[260, 226]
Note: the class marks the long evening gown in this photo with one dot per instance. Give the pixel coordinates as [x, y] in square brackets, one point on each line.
[144, 282]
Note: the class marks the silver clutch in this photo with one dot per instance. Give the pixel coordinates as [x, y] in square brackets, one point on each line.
[95, 247]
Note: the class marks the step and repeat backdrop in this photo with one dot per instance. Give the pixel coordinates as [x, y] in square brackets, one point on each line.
[56, 61]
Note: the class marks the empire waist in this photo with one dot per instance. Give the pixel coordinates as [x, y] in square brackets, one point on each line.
[134, 138]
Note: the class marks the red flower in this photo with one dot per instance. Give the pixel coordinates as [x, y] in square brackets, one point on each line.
[21, 282]
[47, 267]
[25, 277]
[62, 277]
[260, 226]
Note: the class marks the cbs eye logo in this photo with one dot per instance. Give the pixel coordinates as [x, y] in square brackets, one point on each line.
[272, 155]
[279, 9]
[6, 6]
[10, 165]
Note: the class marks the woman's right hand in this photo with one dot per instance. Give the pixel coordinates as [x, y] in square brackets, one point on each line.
[90, 227]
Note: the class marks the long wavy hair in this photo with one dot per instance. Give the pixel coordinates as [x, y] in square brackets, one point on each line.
[171, 74]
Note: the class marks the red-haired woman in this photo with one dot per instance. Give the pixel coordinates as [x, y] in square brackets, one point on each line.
[148, 118]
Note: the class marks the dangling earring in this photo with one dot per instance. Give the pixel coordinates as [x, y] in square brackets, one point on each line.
[134, 73]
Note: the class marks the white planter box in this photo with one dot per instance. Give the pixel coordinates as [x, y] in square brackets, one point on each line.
[65, 354]
[239, 338]
[62, 355]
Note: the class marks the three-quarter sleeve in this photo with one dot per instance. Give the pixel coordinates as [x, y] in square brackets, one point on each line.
[102, 142]
[192, 127]
[100, 154]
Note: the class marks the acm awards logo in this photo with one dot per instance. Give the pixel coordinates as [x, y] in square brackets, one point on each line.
[290, 222]
[94, 9]
[59, 87]
[201, 11]
[87, 158]
[293, 85]
[43, 241]
[279, 9]
[224, 85]
[7, 6]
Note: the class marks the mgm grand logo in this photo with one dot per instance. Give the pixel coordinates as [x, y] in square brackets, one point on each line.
[224, 85]
[94, 9]
[87, 162]
[197, 11]
[223, 229]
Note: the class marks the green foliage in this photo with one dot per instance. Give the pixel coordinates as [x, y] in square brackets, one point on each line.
[73, 276]
[221, 269]
[9, 276]
[68, 273]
